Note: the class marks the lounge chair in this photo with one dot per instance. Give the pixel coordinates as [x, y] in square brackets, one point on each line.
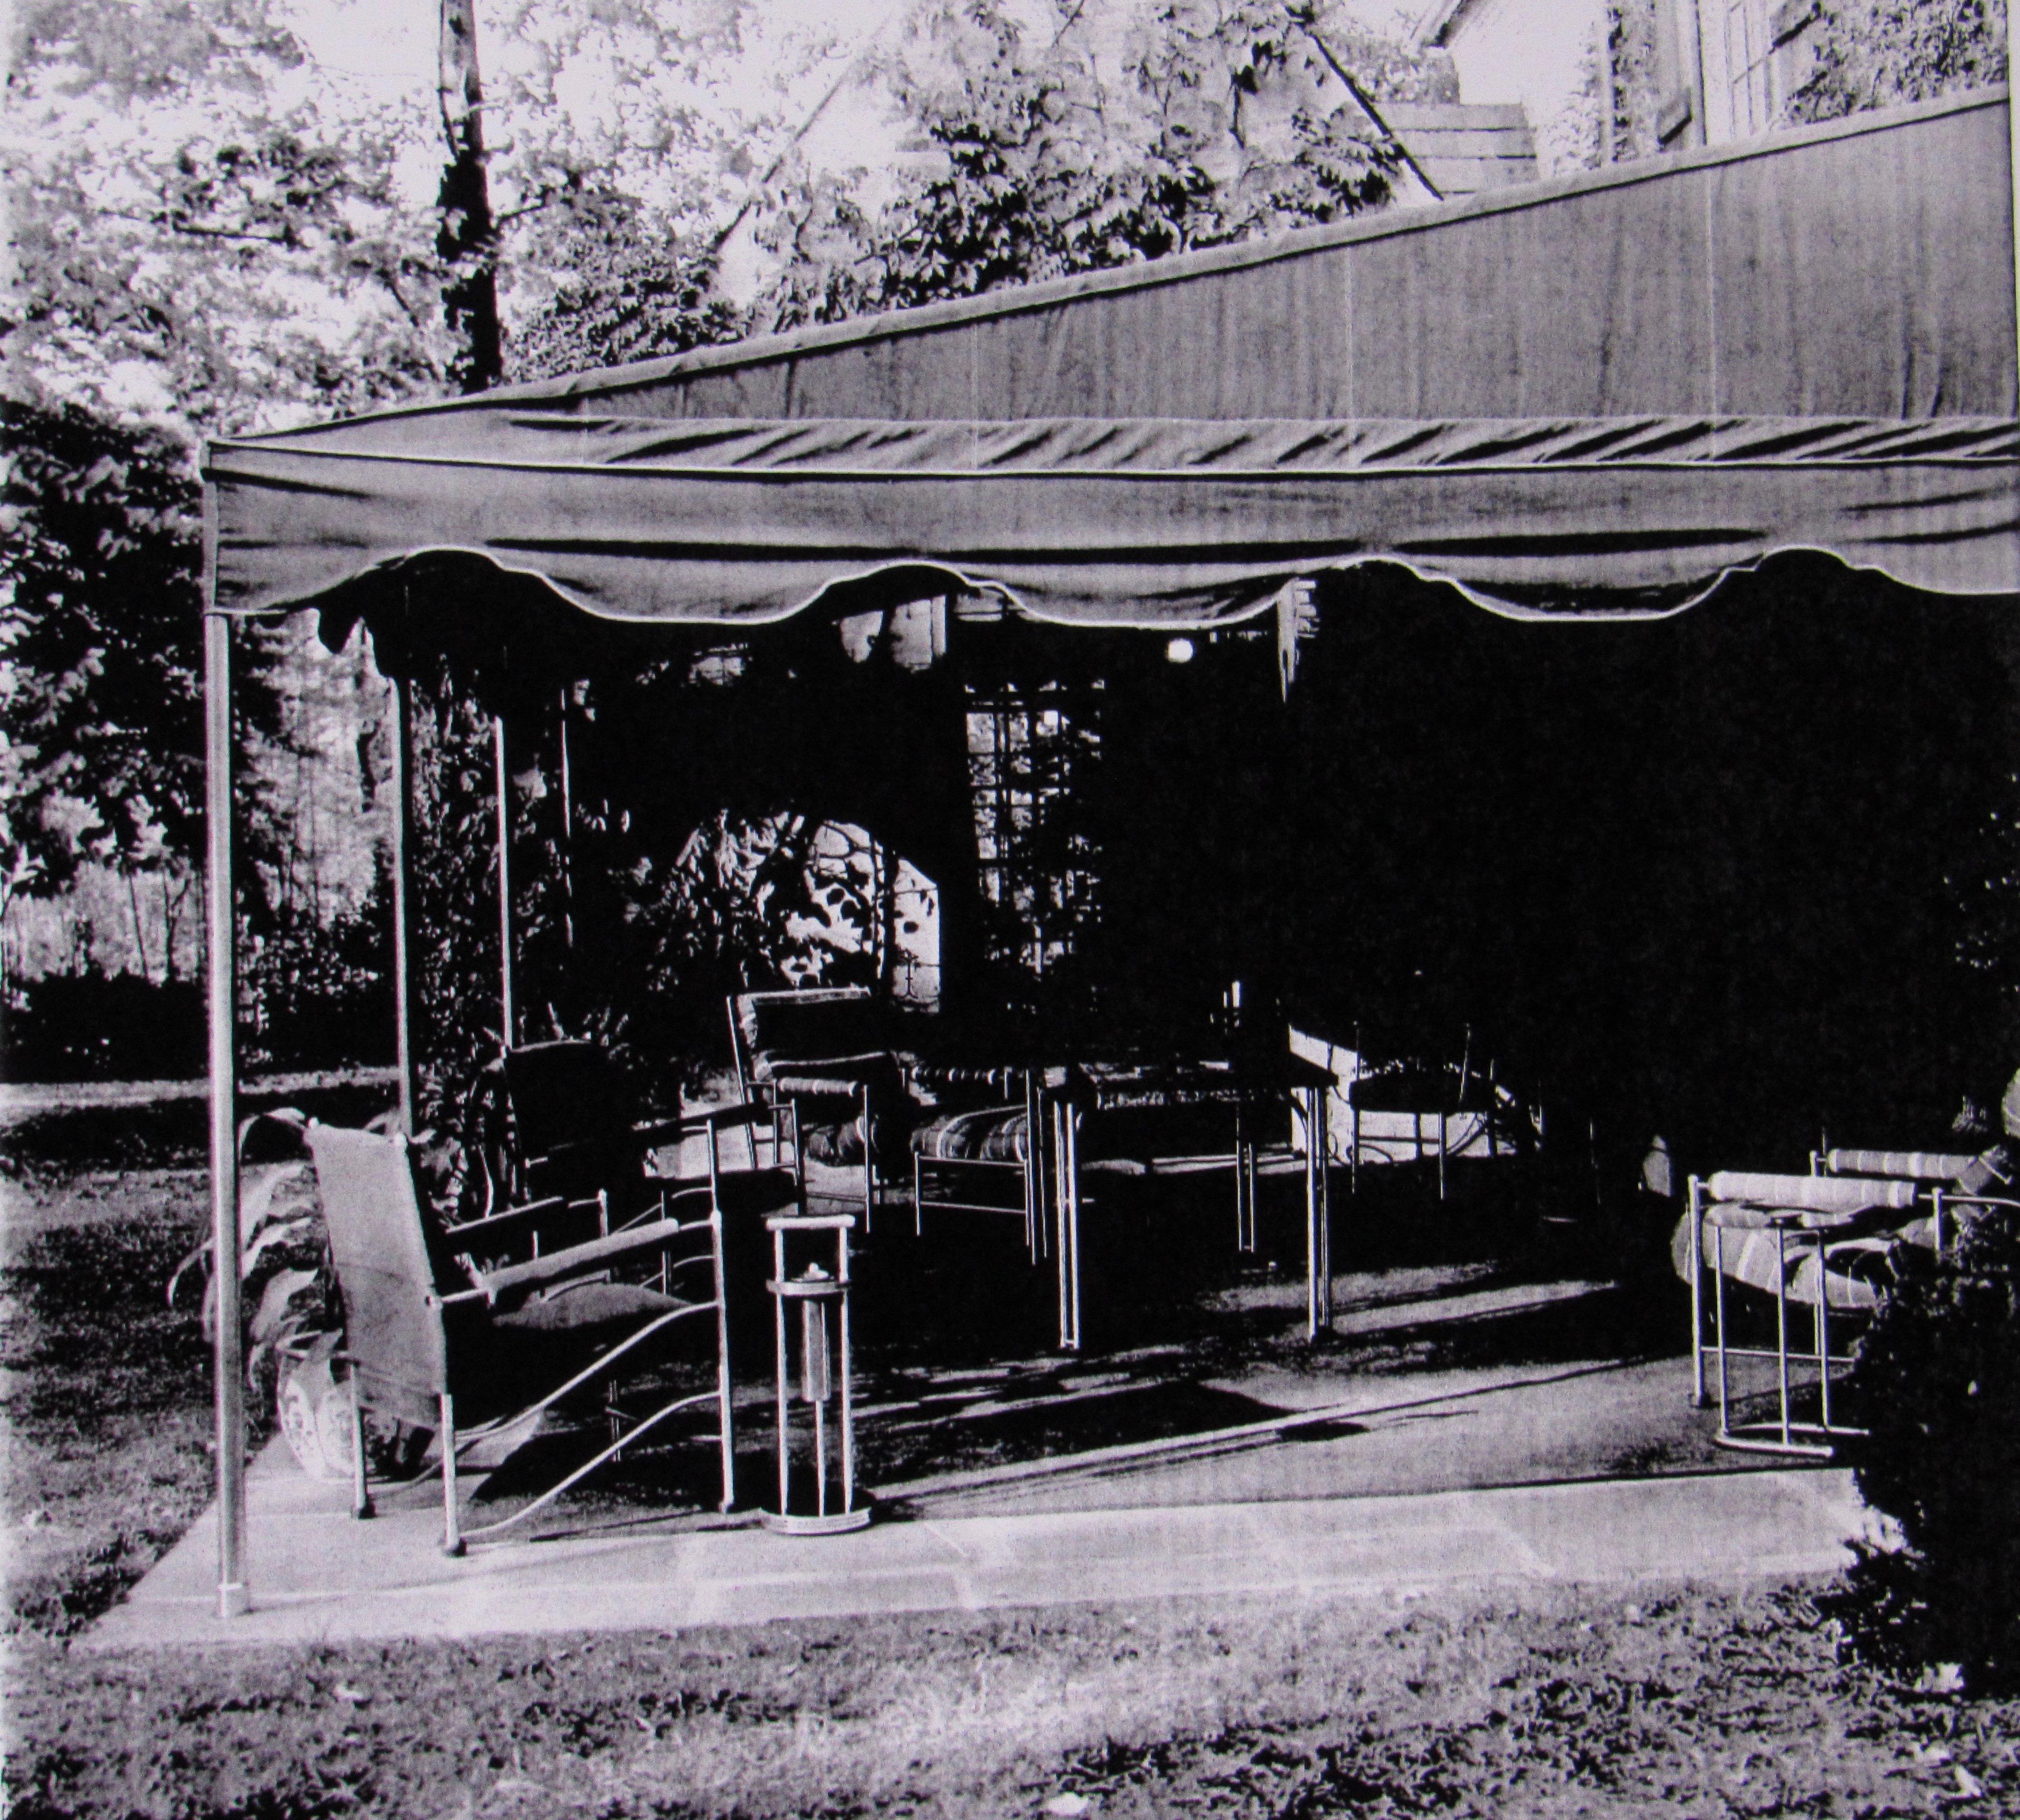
[830, 1050]
[477, 1358]
[557, 1118]
[1817, 1240]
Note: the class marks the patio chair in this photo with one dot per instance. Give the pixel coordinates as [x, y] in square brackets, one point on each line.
[829, 1049]
[985, 1158]
[1819, 1240]
[476, 1361]
[557, 1118]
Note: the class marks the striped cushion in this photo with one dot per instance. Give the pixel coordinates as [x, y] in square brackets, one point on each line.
[996, 1134]
[1857, 1279]
[1811, 1194]
[1914, 1165]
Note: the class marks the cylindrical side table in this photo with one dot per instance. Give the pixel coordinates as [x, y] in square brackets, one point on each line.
[822, 1379]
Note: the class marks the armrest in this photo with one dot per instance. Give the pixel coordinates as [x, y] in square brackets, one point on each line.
[746, 1112]
[594, 1254]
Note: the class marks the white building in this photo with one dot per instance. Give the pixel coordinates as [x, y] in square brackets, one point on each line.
[1716, 69]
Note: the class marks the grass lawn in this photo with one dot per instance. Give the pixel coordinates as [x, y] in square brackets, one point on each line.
[1683, 1701]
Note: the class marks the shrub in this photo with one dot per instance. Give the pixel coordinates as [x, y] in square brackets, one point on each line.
[1938, 1375]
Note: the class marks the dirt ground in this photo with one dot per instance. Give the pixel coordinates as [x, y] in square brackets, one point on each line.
[1680, 1700]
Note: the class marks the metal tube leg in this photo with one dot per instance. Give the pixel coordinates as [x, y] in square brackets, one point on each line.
[726, 1424]
[1073, 1202]
[784, 1389]
[1718, 1315]
[1823, 1334]
[869, 1165]
[1781, 1324]
[507, 1018]
[1067, 1153]
[1244, 1229]
[1318, 1264]
[451, 1532]
[820, 1461]
[360, 1490]
[848, 1414]
[1698, 1397]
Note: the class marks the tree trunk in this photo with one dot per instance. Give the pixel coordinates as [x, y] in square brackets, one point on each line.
[140, 929]
[466, 239]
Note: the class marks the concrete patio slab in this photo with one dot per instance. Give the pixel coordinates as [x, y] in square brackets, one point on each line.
[317, 1576]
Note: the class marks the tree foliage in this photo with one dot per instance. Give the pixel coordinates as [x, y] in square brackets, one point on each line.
[1179, 126]
[1939, 1374]
[103, 746]
[207, 233]
[1878, 53]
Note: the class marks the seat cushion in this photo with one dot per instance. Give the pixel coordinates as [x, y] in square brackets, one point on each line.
[586, 1307]
[994, 1134]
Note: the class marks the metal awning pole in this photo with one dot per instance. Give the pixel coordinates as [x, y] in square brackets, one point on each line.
[504, 882]
[2013, 159]
[403, 977]
[221, 976]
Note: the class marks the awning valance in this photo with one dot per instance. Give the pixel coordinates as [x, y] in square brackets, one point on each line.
[1589, 396]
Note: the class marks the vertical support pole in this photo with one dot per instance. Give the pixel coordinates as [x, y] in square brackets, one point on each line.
[222, 970]
[784, 1388]
[509, 1023]
[1066, 1149]
[1318, 1239]
[1823, 1332]
[869, 1163]
[1244, 1205]
[2013, 160]
[848, 1375]
[1354, 1120]
[725, 1429]
[567, 829]
[1697, 1294]
[1718, 1314]
[1781, 1323]
[403, 966]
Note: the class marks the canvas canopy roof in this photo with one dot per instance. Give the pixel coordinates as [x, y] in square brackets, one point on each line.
[1591, 396]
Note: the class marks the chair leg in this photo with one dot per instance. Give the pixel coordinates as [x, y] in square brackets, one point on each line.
[1069, 1235]
[784, 1390]
[361, 1491]
[1698, 1399]
[1823, 1334]
[1318, 1248]
[726, 1426]
[1782, 1325]
[452, 1534]
[1718, 1319]
[869, 1167]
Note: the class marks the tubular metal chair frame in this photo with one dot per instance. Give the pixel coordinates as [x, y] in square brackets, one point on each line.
[751, 1090]
[1802, 1440]
[573, 1266]
[1033, 1207]
[507, 1172]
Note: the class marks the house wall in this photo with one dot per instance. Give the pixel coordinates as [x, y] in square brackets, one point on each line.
[1722, 69]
